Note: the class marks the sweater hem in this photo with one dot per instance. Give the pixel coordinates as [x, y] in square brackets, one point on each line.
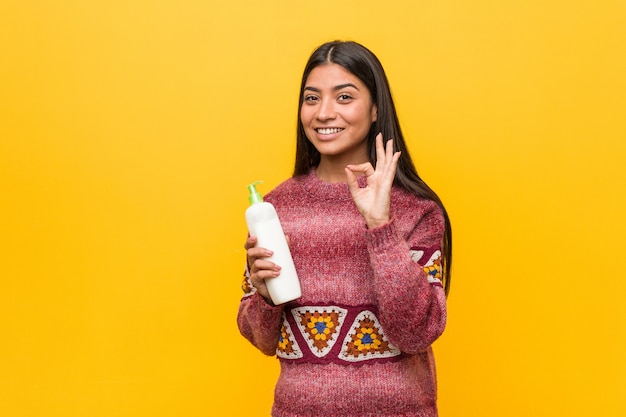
[425, 412]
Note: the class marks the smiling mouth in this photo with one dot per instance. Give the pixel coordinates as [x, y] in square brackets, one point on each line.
[328, 130]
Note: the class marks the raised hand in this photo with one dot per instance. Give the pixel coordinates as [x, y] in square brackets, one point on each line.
[373, 200]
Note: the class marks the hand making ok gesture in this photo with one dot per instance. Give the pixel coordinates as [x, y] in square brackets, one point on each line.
[373, 200]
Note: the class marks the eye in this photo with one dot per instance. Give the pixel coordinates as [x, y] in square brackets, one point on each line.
[344, 97]
[310, 99]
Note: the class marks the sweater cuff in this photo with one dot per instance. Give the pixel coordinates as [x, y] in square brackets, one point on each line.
[266, 309]
[382, 236]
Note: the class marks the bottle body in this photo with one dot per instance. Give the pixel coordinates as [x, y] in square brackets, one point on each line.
[263, 223]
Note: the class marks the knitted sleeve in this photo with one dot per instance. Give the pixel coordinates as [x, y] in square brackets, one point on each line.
[411, 300]
[258, 321]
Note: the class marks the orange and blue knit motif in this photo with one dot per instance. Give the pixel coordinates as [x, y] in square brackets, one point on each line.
[338, 334]
[430, 260]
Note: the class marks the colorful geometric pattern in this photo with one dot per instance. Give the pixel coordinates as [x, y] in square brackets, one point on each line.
[319, 326]
[246, 285]
[287, 346]
[432, 267]
[366, 340]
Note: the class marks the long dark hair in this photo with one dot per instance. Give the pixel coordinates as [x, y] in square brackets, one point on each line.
[361, 62]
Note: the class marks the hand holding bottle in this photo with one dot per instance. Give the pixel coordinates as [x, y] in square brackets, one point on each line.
[259, 267]
[272, 271]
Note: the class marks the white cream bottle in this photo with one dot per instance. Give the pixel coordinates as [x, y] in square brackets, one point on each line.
[263, 223]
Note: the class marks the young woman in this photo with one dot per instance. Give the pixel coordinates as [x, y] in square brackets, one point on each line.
[372, 246]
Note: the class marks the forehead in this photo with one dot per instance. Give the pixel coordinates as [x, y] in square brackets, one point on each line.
[332, 75]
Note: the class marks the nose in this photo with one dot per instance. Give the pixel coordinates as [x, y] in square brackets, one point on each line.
[326, 110]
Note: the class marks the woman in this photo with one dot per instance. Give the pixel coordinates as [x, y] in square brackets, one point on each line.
[372, 246]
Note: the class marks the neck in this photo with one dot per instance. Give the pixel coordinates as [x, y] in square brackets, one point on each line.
[332, 168]
[331, 174]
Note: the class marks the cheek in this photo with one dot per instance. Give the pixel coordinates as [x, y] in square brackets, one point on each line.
[362, 117]
[305, 116]
[305, 120]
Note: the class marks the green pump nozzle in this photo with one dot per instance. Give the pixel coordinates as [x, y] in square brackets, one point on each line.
[255, 196]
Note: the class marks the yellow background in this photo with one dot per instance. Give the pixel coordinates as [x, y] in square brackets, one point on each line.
[129, 130]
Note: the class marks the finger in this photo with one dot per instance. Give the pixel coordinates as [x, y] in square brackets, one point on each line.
[365, 169]
[259, 252]
[392, 167]
[259, 283]
[353, 185]
[396, 157]
[250, 242]
[389, 150]
[265, 269]
[380, 150]
[255, 254]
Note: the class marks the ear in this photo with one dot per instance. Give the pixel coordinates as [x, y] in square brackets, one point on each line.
[374, 113]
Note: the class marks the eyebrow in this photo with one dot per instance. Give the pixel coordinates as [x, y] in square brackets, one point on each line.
[338, 87]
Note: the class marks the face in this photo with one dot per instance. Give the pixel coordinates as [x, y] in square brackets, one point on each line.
[337, 113]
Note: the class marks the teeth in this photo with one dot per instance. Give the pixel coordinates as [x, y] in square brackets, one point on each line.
[328, 131]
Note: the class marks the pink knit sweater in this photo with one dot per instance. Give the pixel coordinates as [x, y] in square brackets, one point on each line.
[358, 341]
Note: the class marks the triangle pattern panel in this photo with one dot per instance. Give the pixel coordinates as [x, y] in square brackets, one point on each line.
[365, 340]
[288, 347]
[320, 326]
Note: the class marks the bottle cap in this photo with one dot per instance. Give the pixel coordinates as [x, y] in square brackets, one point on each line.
[254, 196]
